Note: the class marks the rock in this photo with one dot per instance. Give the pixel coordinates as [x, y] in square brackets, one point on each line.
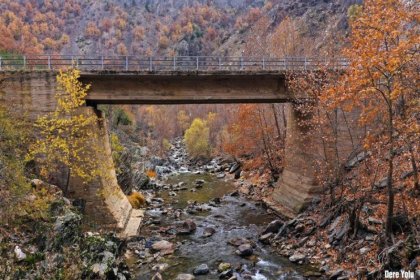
[221, 176]
[157, 276]
[224, 266]
[235, 193]
[67, 228]
[372, 220]
[273, 227]
[382, 183]
[199, 182]
[140, 180]
[311, 273]
[324, 268]
[160, 267]
[356, 160]
[238, 241]
[245, 250]
[172, 194]
[19, 254]
[202, 269]
[364, 250]
[226, 274]
[234, 167]
[165, 247]
[238, 174]
[297, 257]
[185, 277]
[336, 274]
[208, 231]
[37, 184]
[265, 238]
[187, 227]
[99, 268]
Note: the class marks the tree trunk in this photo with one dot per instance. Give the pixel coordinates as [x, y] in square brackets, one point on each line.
[276, 120]
[414, 166]
[66, 190]
[390, 210]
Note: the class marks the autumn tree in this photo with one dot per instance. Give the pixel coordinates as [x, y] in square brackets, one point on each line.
[383, 57]
[64, 133]
[197, 138]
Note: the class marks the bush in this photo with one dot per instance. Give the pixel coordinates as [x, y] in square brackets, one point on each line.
[121, 117]
[197, 138]
[136, 200]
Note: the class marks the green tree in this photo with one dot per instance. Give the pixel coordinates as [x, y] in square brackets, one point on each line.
[66, 136]
[197, 138]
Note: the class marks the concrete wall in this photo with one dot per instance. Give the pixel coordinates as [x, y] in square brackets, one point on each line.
[31, 95]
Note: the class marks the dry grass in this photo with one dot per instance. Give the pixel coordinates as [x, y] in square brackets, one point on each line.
[136, 200]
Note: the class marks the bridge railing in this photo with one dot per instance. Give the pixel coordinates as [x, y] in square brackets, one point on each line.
[159, 64]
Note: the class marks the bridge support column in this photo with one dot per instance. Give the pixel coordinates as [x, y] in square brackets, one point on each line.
[105, 205]
[298, 184]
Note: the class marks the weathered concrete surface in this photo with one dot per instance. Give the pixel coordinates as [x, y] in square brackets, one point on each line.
[187, 88]
[31, 95]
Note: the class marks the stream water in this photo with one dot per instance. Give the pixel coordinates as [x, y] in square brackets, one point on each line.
[231, 217]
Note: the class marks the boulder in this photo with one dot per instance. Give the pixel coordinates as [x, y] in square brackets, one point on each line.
[238, 241]
[19, 254]
[245, 250]
[164, 247]
[273, 227]
[202, 269]
[184, 276]
[208, 231]
[224, 266]
[297, 257]
[265, 238]
[187, 227]
[227, 274]
[157, 276]
[234, 167]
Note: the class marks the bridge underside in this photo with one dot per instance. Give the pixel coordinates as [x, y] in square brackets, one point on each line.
[187, 88]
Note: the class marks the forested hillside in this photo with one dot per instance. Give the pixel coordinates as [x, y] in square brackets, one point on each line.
[140, 27]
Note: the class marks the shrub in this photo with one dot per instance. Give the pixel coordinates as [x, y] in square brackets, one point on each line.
[151, 173]
[197, 138]
[136, 200]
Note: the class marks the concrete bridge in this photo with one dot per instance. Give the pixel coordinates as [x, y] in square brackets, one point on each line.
[29, 83]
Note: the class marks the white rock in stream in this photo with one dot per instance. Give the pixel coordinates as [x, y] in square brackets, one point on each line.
[19, 254]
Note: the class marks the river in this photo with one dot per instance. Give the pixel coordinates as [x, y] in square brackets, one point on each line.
[213, 203]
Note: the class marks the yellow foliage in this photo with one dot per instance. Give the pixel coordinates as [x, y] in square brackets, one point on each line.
[166, 144]
[66, 135]
[136, 200]
[197, 138]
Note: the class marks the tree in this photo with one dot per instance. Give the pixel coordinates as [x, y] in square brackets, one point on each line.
[197, 138]
[383, 57]
[65, 133]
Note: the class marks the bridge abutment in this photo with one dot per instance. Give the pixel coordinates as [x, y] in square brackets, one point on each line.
[298, 184]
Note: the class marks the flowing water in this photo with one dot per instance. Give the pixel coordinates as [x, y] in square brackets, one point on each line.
[234, 217]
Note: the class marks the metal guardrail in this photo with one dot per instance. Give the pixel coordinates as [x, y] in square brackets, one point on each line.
[176, 64]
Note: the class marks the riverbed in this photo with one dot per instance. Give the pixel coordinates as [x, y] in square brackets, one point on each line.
[210, 203]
